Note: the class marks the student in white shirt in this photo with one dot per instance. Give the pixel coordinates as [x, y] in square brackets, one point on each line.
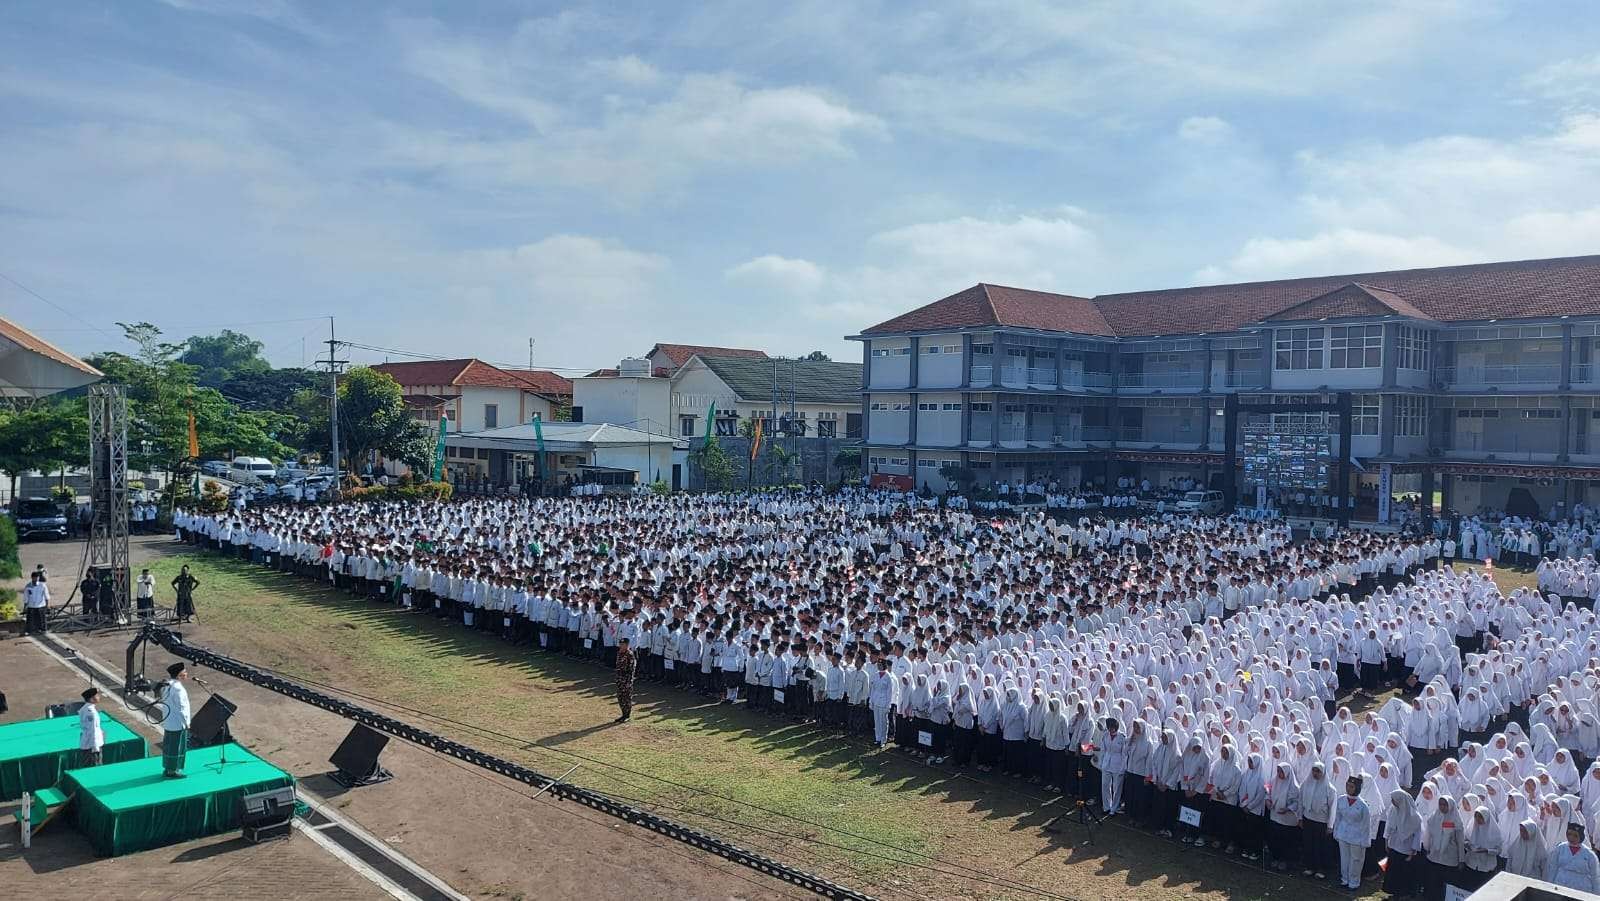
[36, 604]
[91, 738]
[1352, 830]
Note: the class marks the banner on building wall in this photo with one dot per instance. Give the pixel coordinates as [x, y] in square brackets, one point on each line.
[1385, 489]
[885, 480]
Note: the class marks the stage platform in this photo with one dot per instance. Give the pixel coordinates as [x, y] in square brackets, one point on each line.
[129, 807]
[35, 753]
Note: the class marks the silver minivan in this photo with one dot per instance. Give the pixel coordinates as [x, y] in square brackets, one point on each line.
[1203, 503]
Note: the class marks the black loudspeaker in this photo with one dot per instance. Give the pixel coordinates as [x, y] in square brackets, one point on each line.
[356, 759]
[210, 726]
[268, 814]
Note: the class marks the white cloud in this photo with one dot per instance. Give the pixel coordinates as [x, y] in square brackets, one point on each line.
[1566, 80]
[566, 272]
[1438, 201]
[911, 265]
[629, 70]
[1205, 130]
[782, 274]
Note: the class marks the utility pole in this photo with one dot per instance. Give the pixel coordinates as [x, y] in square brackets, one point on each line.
[333, 398]
[530, 353]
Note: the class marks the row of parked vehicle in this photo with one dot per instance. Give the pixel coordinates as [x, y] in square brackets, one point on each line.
[259, 471]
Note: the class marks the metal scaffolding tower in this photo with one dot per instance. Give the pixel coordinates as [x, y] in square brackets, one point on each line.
[108, 498]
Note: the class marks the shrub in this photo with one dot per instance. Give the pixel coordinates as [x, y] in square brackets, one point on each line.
[9, 608]
[62, 494]
[10, 565]
[421, 491]
[660, 486]
[212, 498]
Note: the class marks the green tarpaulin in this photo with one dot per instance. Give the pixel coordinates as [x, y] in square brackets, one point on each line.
[34, 754]
[130, 807]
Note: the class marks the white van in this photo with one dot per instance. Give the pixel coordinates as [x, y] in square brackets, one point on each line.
[1204, 503]
[249, 470]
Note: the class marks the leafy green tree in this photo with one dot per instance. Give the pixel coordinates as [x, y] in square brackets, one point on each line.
[817, 356]
[372, 417]
[221, 357]
[715, 465]
[44, 437]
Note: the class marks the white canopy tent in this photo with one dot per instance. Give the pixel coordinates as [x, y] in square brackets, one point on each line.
[31, 367]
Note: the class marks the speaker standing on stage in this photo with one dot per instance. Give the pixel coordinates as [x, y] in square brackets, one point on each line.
[185, 585]
[145, 593]
[91, 738]
[624, 679]
[175, 734]
[36, 604]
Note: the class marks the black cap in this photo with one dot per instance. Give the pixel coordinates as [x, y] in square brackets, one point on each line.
[90, 693]
[175, 669]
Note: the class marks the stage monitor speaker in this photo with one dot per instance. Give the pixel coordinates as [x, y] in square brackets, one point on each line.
[357, 758]
[70, 708]
[268, 814]
[210, 726]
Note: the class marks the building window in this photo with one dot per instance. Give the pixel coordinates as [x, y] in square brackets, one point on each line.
[450, 413]
[827, 428]
[1016, 351]
[491, 415]
[726, 426]
[983, 350]
[928, 408]
[927, 464]
[686, 426]
[1364, 410]
[852, 425]
[948, 408]
[1416, 348]
[1299, 348]
[1411, 416]
[982, 407]
[1541, 414]
[892, 351]
[483, 453]
[1355, 347]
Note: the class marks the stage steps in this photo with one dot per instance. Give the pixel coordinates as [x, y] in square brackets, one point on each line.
[47, 802]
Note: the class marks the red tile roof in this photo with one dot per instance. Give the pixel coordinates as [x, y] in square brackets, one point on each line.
[471, 372]
[983, 304]
[1522, 289]
[546, 382]
[1349, 301]
[679, 354]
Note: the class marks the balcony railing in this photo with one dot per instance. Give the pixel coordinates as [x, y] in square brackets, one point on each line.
[1041, 375]
[1096, 434]
[1585, 373]
[1512, 374]
[1245, 378]
[1506, 445]
[982, 374]
[1161, 380]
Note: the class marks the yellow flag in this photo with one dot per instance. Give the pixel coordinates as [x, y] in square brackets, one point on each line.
[194, 438]
[755, 445]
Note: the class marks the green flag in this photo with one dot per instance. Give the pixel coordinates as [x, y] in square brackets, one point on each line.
[438, 451]
[538, 434]
[711, 414]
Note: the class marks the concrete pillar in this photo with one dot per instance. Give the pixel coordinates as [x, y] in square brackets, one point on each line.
[1564, 449]
[911, 425]
[1386, 423]
[1205, 414]
[1391, 352]
[916, 361]
[1266, 357]
[994, 421]
[1566, 356]
[966, 363]
[966, 419]
[866, 365]
[1205, 359]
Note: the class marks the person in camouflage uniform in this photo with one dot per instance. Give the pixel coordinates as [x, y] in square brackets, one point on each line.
[624, 679]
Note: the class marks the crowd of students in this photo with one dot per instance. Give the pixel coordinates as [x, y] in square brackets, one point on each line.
[1161, 665]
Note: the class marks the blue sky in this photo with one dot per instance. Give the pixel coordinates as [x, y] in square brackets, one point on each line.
[455, 178]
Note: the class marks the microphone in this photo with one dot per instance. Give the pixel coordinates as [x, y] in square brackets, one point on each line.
[201, 682]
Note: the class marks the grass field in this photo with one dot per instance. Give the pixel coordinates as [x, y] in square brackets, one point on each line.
[878, 821]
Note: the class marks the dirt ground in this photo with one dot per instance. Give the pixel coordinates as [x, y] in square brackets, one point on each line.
[878, 822]
[478, 832]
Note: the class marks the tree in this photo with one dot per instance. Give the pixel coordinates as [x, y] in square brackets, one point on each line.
[45, 437]
[962, 477]
[817, 356]
[219, 358]
[715, 465]
[372, 417]
[848, 459]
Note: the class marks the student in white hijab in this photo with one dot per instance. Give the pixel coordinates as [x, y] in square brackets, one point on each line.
[1527, 853]
[1481, 850]
[1402, 833]
[1283, 816]
[1443, 842]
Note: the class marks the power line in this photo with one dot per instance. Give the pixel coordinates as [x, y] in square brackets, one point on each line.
[52, 303]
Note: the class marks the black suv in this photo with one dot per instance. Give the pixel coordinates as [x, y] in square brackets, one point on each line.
[37, 516]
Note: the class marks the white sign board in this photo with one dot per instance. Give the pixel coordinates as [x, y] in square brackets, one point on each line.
[1189, 816]
[777, 695]
[587, 642]
[1452, 893]
[925, 739]
[668, 664]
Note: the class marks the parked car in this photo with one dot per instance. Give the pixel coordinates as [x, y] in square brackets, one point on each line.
[40, 517]
[219, 468]
[1204, 503]
[257, 468]
[291, 473]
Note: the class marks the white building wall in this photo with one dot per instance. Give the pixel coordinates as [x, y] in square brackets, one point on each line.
[939, 363]
[939, 418]
[928, 466]
[889, 362]
[638, 403]
[650, 462]
[889, 425]
[470, 417]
